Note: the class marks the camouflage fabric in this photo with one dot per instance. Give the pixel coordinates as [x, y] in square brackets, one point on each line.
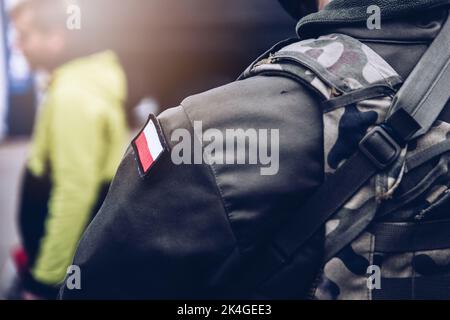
[334, 66]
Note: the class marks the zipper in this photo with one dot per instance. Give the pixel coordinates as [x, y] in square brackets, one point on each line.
[428, 211]
[269, 60]
[272, 58]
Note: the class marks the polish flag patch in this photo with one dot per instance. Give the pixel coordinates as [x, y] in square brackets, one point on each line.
[149, 145]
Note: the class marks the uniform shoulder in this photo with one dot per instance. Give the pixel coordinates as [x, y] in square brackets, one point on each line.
[256, 101]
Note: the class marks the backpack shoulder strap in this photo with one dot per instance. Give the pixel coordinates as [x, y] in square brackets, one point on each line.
[414, 109]
[412, 112]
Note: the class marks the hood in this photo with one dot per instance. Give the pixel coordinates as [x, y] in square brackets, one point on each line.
[100, 73]
[344, 12]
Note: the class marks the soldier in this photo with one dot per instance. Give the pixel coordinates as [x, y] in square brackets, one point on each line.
[184, 223]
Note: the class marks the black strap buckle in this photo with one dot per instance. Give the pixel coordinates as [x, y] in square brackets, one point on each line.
[379, 146]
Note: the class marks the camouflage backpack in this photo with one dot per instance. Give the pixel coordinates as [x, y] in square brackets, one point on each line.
[385, 203]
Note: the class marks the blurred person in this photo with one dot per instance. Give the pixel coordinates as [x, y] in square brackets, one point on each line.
[78, 140]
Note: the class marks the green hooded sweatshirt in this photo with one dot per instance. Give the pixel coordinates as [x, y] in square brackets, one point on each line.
[79, 139]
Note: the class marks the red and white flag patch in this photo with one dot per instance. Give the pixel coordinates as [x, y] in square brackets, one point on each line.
[149, 145]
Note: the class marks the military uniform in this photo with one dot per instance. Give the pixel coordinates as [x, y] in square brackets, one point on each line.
[198, 231]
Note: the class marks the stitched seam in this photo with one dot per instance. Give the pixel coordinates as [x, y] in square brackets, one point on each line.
[428, 94]
[219, 189]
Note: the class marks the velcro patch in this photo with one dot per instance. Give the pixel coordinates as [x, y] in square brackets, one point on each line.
[149, 145]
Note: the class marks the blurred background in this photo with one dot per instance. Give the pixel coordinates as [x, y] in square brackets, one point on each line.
[169, 49]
